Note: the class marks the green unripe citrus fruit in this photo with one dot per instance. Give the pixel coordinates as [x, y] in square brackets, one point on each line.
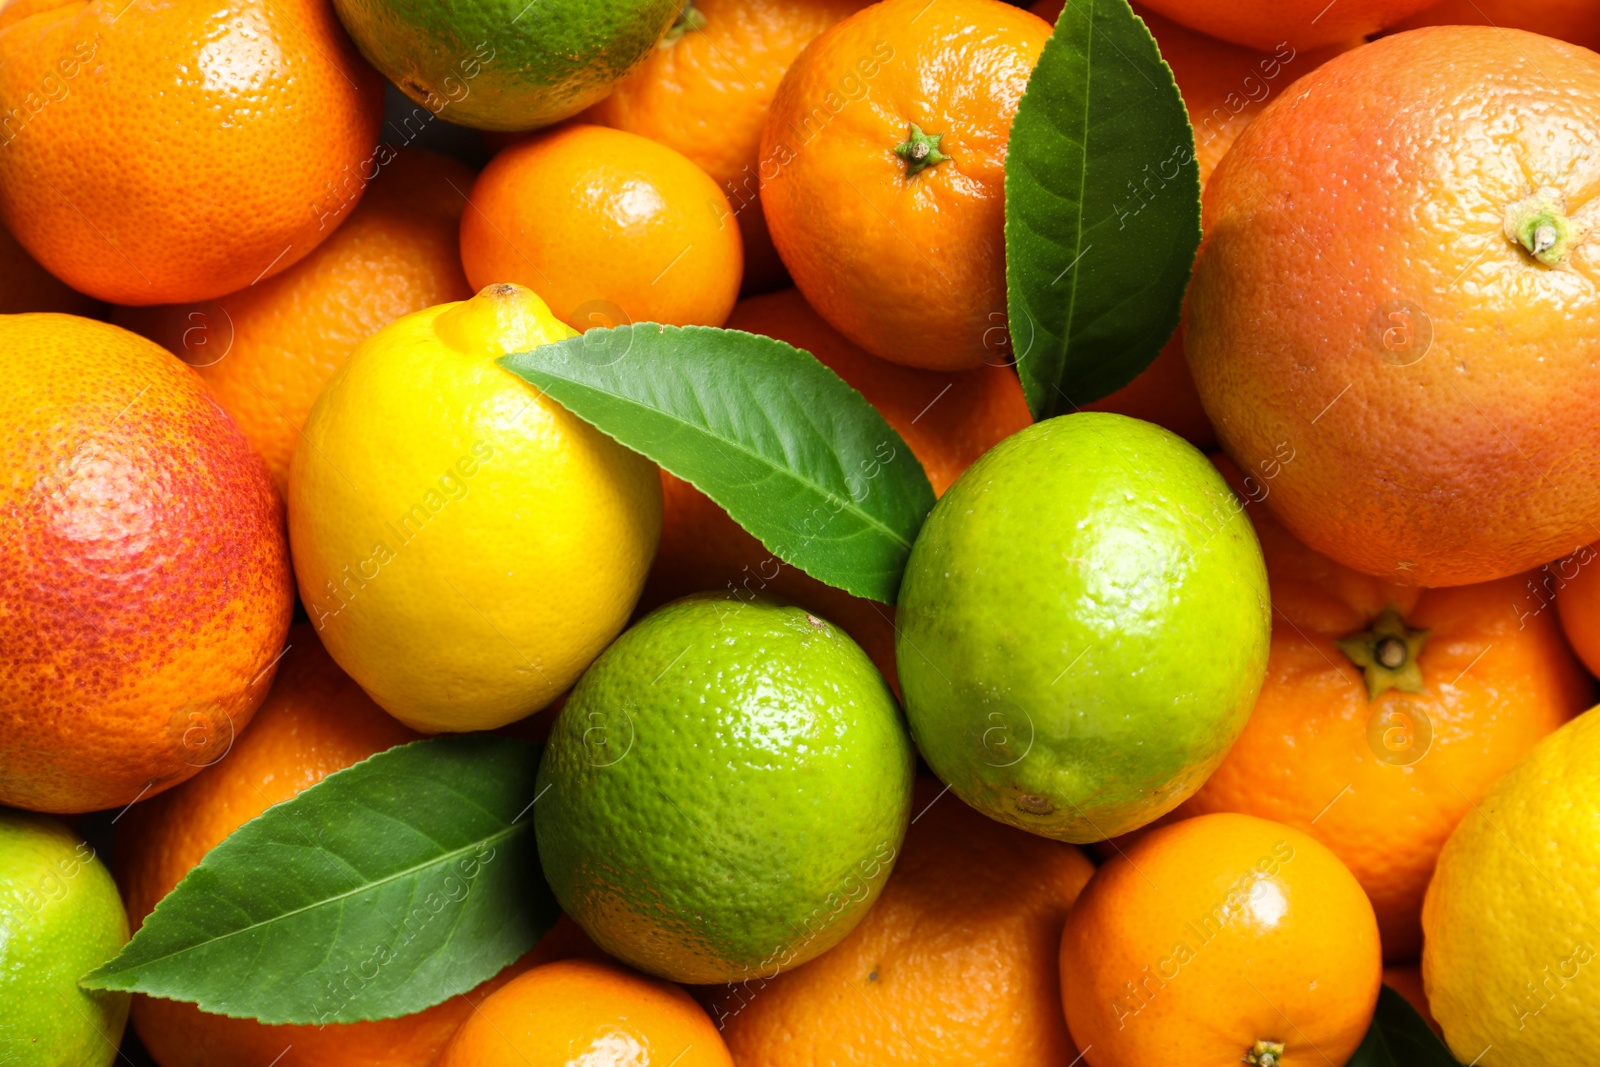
[60, 918]
[725, 791]
[506, 64]
[1083, 627]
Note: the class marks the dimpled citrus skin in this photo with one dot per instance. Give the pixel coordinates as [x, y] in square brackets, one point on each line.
[1317, 753]
[607, 227]
[60, 918]
[1214, 933]
[501, 64]
[956, 964]
[1083, 627]
[1509, 943]
[113, 185]
[464, 545]
[144, 575]
[29, 287]
[581, 1012]
[728, 787]
[1385, 176]
[1302, 23]
[909, 267]
[706, 94]
[267, 350]
[1577, 21]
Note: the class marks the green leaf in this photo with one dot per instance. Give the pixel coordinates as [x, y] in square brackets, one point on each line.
[1399, 1038]
[384, 889]
[1102, 209]
[790, 451]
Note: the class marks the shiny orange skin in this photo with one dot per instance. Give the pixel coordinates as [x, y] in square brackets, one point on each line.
[26, 286]
[1407, 981]
[954, 965]
[578, 1012]
[314, 722]
[1224, 86]
[1476, 457]
[947, 420]
[144, 570]
[1573, 584]
[117, 185]
[707, 92]
[911, 268]
[1211, 934]
[607, 227]
[267, 350]
[1497, 677]
[1301, 23]
[1577, 21]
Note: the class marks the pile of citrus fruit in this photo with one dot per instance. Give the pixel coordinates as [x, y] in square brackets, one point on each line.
[556, 532]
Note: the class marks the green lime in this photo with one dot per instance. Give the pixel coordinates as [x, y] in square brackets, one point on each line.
[60, 918]
[1083, 627]
[725, 791]
[506, 64]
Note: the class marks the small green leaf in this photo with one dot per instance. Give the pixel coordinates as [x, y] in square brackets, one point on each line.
[382, 890]
[1399, 1038]
[790, 451]
[1102, 209]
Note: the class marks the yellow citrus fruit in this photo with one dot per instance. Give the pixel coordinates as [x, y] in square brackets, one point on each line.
[463, 544]
[1509, 956]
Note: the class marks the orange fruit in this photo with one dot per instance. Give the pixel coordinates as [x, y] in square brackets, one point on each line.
[607, 227]
[1573, 586]
[705, 91]
[955, 963]
[159, 152]
[1577, 21]
[1383, 781]
[883, 174]
[582, 1012]
[144, 571]
[1407, 981]
[1357, 296]
[1224, 86]
[947, 420]
[29, 287]
[1219, 940]
[314, 722]
[1299, 23]
[267, 350]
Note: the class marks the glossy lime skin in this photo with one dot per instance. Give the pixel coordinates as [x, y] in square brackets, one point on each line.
[60, 918]
[506, 64]
[725, 791]
[1083, 627]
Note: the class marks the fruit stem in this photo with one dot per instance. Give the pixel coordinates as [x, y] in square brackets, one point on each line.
[1265, 1054]
[920, 151]
[1387, 654]
[1539, 223]
[690, 18]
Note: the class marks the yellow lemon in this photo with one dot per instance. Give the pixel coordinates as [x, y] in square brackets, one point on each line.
[464, 545]
[1511, 951]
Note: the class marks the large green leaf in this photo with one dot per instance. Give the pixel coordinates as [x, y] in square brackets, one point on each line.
[790, 451]
[1399, 1038]
[382, 890]
[1102, 209]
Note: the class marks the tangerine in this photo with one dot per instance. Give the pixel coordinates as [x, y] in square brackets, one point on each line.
[883, 174]
[607, 227]
[116, 190]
